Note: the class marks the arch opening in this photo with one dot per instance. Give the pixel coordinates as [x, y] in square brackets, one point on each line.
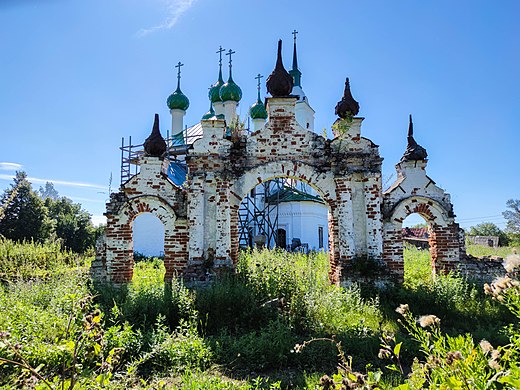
[416, 233]
[285, 213]
[148, 236]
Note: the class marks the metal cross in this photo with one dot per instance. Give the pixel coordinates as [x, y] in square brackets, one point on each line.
[294, 34]
[229, 54]
[179, 70]
[219, 52]
[258, 77]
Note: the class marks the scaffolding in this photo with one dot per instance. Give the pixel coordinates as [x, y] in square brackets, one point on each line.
[258, 211]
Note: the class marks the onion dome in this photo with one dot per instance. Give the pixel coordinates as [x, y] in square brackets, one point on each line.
[257, 110]
[279, 83]
[178, 100]
[155, 146]
[230, 90]
[414, 151]
[210, 114]
[347, 107]
[214, 91]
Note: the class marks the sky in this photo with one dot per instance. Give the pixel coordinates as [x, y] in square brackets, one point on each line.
[77, 76]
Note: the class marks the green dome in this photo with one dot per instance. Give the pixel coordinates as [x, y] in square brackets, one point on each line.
[258, 111]
[230, 91]
[178, 101]
[214, 91]
[210, 114]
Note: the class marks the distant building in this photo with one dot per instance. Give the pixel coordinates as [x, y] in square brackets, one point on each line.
[491, 241]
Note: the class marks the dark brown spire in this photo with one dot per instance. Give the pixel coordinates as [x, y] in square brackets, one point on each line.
[347, 107]
[413, 151]
[279, 83]
[155, 146]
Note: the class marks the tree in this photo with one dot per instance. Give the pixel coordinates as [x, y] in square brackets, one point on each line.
[48, 191]
[489, 229]
[23, 215]
[513, 215]
[72, 224]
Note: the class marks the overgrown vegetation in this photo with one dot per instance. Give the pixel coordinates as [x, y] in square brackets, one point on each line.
[276, 323]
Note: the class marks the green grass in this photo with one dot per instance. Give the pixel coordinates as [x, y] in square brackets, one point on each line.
[481, 250]
[244, 326]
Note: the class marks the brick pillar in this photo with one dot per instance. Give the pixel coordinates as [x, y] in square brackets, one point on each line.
[119, 250]
[393, 249]
[445, 247]
[176, 250]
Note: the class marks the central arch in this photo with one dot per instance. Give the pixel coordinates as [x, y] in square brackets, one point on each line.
[322, 183]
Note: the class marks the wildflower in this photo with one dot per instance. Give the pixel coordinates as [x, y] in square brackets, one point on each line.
[451, 357]
[298, 348]
[495, 354]
[403, 309]
[429, 320]
[326, 382]
[384, 354]
[486, 346]
[512, 262]
[493, 364]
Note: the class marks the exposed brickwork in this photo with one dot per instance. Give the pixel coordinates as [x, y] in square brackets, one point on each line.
[201, 221]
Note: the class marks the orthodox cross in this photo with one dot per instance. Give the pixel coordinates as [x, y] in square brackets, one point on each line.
[294, 34]
[229, 53]
[258, 77]
[219, 52]
[179, 74]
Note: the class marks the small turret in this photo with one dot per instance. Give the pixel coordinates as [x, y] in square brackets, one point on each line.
[347, 107]
[178, 103]
[257, 111]
[155, 146]
[414, 151]
[279, 83]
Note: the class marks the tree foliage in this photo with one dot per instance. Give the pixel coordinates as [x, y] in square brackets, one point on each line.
[513, 215]
[24, 215]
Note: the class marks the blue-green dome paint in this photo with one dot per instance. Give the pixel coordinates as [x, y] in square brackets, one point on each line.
[258, 111]
[178, 101]
[214, 91]
[210, 114]
[230, 91]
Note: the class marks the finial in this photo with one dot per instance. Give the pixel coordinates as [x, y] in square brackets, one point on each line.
[155, 146]
[178, 66]
[279, 83]
[295, 72]
[413, 151]
[219, 52]
[295, 59]
[258, 77]
[347, 107]
[229, 53]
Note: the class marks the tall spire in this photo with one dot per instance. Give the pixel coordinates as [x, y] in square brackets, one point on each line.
[229, 53]
[413, 151]
[295, 72]
[219, 52]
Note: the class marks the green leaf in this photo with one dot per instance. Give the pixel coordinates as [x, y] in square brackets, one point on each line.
[397, 349]
[97, 349]
[393, 367]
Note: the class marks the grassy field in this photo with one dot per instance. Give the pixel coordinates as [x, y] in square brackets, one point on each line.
[277, 323]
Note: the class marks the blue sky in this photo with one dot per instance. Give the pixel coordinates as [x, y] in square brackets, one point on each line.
[76, 76]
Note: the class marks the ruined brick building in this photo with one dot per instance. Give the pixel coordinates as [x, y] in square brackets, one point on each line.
[224, 163]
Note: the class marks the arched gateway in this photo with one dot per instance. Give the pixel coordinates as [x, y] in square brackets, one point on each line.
[201, 217]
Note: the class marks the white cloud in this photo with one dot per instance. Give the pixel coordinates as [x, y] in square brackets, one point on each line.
[9, 166]
[176, 8]
[56, 182]
[98, 220]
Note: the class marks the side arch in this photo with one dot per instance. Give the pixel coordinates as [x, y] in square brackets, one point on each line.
[119, 242]
[445, 238]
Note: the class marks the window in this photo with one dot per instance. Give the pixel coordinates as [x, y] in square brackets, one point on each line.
[320, 236]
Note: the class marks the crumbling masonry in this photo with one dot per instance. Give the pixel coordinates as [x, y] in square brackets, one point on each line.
[201, 218]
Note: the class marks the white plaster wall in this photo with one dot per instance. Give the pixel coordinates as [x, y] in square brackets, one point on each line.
[301, 220]
[148, 235]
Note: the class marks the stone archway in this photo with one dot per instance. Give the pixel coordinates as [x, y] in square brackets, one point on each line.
[322, 183]
[445, 240]
[119, 242]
